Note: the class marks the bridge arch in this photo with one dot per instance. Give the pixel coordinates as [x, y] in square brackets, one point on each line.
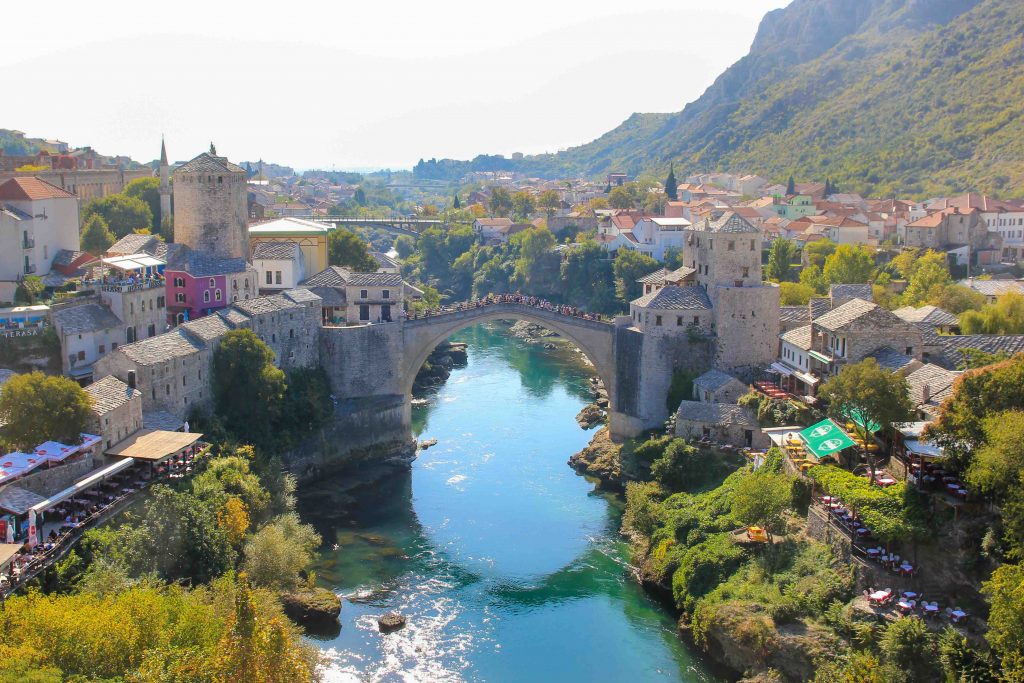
[596, 340]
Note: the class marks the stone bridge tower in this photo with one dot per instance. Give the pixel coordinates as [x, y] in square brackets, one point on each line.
[210, 212]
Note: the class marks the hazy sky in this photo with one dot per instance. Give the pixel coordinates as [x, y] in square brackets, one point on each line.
[367, 84]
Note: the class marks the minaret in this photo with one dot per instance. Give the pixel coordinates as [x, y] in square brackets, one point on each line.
[165, 184]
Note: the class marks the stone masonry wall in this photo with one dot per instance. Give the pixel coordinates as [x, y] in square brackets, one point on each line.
[747, 326]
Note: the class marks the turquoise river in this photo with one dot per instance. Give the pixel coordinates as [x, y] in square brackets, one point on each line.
[508, 564]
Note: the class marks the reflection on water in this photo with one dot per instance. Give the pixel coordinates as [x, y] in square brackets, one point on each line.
[507, 564]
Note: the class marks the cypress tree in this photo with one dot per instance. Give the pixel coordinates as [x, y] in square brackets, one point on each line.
[790, 186]
[671, 186]
[608, 188]
[455, 203]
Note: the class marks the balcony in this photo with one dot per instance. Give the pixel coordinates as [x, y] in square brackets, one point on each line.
[28, 243]
[30, 268]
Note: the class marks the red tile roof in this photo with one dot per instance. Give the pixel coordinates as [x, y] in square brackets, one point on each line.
[31, 188]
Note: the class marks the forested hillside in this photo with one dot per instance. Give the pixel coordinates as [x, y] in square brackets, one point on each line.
[886, 96]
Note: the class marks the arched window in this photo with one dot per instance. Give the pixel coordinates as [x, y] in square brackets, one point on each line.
[206, 296]
[217, 295]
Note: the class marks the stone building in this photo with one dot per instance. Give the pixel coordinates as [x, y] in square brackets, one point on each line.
[174, 370]
[117, 409]
[279, 266]
[720, 423]
[354, 298]
[725, 252]
[87, 332]
[210, 212]
[715, 386]
[165, 184]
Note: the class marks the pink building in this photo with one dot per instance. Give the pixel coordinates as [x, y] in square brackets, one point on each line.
[199, 284]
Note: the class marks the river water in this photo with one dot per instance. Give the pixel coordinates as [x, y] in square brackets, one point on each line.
[507, 564]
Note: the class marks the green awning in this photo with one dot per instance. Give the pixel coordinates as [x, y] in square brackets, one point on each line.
[825, 438]
[818, 356]
[855, 415]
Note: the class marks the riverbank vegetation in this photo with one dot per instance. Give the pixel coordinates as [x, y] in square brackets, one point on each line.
[787, 608]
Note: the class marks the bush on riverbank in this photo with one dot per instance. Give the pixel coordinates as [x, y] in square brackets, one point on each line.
[149, 632]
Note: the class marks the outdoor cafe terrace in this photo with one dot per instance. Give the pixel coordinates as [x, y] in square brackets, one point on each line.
[39, 531]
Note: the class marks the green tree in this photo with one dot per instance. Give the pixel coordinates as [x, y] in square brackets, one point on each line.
[790, 186]
[929, 275]
[405, 246]
[29, 290]
[359, 196]
[122, 213]
[587, 277]
[817, 251]
[811, 277]
[878, 395]
[971, 359]
[780, 259]
[500, 203]
[629, 266]
[795, 294]
[231, 477]
[549, 201]
[910, 650]
[536, 259]
[38, 408]
[621, 198]
[148, 190]
[1005, 316]
[760, 498]
[307, 402]
[956, 299]
[523, 205]
[96, 235]
[977, 395]
[247, 387]
[277, 553]
[1005, 591]
[344, 248]
[455, 202]
[671, 186]
[848, 264]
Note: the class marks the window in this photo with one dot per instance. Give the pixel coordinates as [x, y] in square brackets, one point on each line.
[751, 245]
[179, 282]
[679, 321]
[206, 297]
[217, 295]
[362, 293]
[113, 347]
[183, 382]
[696, 320]
[386, 294]
[179, 298]
[746, 272]
[160, 303]
[910, 351]
[711, 244]
[213, 282]
[270, 277]
[731, 246]
[657, 320]
[151, 331]
[103, 349]
[291, 334]
[129, 335]
[167, 389]
[131, 307]
[277, 277]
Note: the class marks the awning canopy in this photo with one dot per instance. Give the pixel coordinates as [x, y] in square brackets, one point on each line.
[154, 445]
[923, 448]
[87, 483]
[16, 464]
[810, 380]
[7, 551]
[855, 415]
[825, 438]
[55, 451]
[819, 356]
[17, 500]
[781, 369]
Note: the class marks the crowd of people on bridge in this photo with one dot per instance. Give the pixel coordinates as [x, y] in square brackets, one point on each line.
[521, 299]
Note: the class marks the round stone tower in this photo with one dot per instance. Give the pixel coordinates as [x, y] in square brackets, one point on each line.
[210, 206]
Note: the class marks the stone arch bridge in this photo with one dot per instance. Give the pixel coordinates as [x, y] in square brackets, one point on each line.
[372, 367]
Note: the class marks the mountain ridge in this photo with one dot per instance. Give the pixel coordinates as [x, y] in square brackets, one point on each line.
[884, 96]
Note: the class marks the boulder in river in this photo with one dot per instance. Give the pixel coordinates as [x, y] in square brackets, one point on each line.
[392, 621]
[424, 445]
[590, 416]
[312, 607]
